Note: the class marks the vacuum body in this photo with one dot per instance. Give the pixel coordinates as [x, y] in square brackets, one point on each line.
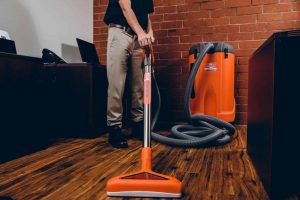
[213, 89]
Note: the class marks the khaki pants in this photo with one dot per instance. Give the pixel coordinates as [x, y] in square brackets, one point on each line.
[120, 48]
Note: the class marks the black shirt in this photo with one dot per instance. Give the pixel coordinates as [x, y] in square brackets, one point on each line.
[141, 8]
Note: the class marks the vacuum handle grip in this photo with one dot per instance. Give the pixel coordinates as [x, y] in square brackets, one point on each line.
[148, 50]
[148, 54]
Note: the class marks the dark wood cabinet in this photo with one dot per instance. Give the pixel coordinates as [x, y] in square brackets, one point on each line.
[19, 104]
[41, 102]
[19, 79]
[273, 114]
[74, 99]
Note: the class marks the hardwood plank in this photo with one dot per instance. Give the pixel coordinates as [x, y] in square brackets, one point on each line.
[80, 168]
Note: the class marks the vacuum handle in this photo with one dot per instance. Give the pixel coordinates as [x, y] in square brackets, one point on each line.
[147, 98]
[148, 55]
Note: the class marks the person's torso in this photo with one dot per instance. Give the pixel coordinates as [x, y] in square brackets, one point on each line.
[141, 8]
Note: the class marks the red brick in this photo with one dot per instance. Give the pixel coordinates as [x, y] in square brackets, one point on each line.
[103, 2]
[165, 9]
[244, 52]
[96, 30]
[178, 32]
[287, 1]
[281, 25]
[187, 39]
[253, 44]
[242, 84]
[173, 2]
[160, 48]
[240, 36]
[202, 29]
[212, 5]
[277, 8]
[195, 39]
[193, 7]
[96, 2]
[239, 3]
[227, 29]
[223, 12]
[215, 37]
[168, 40]
[290, 16]
[101, 37]
[157, 18]
[241, 118]
[242, 108]
[103, 30]
[156, 25]
[195, 23]
[269, 17]
[242, 92]
[242, 76]
[99, 23]
[234, 44]
[160, 33]
[243, 19]
[253, 27]
[243, 60]
[296, 6]
[249, 10]
[241, 68]
[297, 24]
[171, 24]
[182, 8]
[261, 2]
[241, 100]
[98, 16]
[262, 35]
[219, 21]
[99, 9]
[158, 3]
[178, 47]
[197, 15]
[175, 16]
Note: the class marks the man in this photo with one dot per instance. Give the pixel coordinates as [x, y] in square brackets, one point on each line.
[129, 31]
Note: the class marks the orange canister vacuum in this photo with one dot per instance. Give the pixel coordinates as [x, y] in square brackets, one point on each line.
[213, 89]
[208, 106]
[209, 103]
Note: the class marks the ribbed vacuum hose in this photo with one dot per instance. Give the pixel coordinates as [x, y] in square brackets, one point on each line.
[203, 130]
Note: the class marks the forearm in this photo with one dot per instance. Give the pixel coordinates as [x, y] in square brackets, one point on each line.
[132, 20]
[143, 38]
[149, 29]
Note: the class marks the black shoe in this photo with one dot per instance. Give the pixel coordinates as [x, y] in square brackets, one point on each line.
[138, 130]
[116, 138]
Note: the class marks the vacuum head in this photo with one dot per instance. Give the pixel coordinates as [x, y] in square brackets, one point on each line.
[144, 183]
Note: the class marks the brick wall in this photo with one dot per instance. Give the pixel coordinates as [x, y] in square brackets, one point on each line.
[178, 24]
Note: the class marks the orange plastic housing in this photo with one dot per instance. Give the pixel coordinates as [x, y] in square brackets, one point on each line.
[213, 92]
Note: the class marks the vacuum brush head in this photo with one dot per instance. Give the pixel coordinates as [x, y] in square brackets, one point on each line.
[144, 183]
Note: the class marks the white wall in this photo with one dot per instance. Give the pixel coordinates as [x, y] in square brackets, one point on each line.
[52, 24]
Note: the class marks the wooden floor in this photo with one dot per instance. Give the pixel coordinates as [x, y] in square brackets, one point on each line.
[79, 169]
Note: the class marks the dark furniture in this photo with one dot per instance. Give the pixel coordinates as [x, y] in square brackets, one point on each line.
[273, 113]
[39, 103]
[75, 99]
[19, 104]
